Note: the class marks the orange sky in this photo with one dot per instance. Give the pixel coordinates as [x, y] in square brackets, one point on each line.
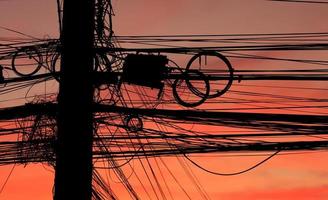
[284, 177]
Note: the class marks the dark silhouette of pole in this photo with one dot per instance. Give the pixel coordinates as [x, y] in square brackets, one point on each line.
[73, 148]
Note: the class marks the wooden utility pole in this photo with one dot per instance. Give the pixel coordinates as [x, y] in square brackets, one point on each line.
[73, 175]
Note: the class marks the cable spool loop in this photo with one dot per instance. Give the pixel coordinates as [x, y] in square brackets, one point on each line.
[31, 53]
[227, 73]
[187, 76]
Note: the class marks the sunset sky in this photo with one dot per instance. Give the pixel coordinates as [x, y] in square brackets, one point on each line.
[294, 176]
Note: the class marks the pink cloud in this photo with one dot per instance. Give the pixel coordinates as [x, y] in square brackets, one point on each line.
[301, 193]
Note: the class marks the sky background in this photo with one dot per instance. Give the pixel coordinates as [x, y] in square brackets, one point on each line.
[303, 176]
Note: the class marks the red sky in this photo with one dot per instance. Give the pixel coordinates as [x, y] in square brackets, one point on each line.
[296, 176]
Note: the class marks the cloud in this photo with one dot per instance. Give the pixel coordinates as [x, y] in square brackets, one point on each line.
[300, 193]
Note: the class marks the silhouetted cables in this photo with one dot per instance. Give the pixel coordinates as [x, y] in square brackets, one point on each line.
[169, 96]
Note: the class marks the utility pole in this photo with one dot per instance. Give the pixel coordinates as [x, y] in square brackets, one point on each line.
[73, 176]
